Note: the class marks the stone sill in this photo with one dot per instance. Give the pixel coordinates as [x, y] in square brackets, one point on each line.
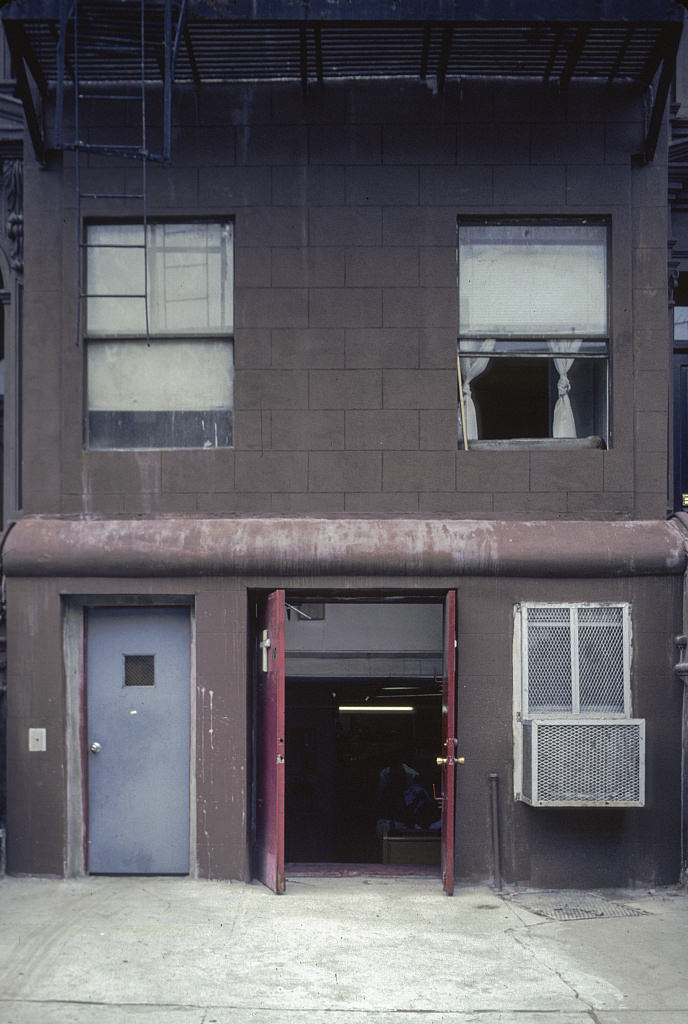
[554, 444]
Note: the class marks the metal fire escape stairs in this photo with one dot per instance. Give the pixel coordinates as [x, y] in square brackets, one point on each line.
[146, 38]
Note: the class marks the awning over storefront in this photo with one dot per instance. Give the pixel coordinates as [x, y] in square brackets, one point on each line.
[174, 547]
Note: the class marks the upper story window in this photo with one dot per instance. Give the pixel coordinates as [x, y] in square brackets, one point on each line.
[159, 327]
[533, 332]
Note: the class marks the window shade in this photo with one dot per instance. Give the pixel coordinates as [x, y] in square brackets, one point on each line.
[533, 280]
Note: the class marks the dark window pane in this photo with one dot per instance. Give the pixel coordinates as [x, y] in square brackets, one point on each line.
[512, 399]
[188, 429]
[139, 670]
[588, 397]
[515, 397]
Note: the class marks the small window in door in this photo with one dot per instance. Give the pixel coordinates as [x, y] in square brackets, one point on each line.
[139, 670]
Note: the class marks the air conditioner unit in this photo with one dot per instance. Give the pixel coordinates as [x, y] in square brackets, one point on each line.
[589, 762]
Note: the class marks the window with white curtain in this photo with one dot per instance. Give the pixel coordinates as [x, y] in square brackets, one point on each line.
[159, 335]
[533, 348]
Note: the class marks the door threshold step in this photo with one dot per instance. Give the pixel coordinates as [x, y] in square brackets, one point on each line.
[336, 870]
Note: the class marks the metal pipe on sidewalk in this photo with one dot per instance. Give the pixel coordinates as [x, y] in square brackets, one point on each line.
[495, 830]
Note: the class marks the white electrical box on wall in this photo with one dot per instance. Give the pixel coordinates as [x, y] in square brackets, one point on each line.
[37, 740]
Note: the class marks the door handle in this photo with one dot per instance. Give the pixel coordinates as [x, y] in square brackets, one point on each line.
[96, 747]
[450, 760]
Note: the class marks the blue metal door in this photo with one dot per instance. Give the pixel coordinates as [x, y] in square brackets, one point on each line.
[680, 431]
[138, 740]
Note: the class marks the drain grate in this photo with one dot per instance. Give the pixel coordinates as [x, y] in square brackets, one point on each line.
[570, 906]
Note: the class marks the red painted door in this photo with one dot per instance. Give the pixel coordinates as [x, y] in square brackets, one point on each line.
[449, 742]
[269, 753]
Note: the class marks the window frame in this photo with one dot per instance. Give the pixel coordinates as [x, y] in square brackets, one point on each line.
[518, 344]
[150, 336]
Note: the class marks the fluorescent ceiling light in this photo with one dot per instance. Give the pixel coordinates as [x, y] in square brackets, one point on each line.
[355, 708]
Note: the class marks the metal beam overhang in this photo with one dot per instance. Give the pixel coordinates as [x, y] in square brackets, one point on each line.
[318, 54]
[620, 56]
[449, 10]
[303, 57]
[444, 57]
[161, 547]
[192, 57]
[666, 77]
[21, 61]
[573, 57]
[588, 41]
[513, 11]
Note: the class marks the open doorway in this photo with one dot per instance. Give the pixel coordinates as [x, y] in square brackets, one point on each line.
[363, 731]
[353, 715]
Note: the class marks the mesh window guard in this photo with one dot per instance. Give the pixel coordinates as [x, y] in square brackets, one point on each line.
[588, 763]
[139, 670]
[601, 659]
[550, 680]
[574, 659]
[576, 744]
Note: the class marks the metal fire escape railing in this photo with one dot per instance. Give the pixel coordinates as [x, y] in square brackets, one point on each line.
[630, 43]
[146, 44]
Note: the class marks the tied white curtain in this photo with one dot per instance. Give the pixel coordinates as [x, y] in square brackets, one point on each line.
[471, 368]
[563, 421]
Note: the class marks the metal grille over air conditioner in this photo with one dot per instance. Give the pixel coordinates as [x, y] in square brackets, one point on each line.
[583, 763]
[576, 659]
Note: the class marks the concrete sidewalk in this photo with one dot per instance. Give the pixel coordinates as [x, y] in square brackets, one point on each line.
[336, 951]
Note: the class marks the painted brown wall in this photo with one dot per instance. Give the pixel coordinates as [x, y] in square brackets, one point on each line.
[539, 846]
[345, 206]
[37, 782]
[543, 846]
[37, 796]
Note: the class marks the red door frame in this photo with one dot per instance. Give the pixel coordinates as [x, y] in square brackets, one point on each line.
[270, 746]
[448, 758]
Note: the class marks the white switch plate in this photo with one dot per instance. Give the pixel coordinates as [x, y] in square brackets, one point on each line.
[37, 739]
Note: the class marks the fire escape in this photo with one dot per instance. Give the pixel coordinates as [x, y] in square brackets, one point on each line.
[90, 56]
[138, 38]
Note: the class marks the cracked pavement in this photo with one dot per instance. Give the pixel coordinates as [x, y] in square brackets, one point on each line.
[331, 951]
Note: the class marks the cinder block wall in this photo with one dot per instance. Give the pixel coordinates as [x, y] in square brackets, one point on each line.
[345, 205]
